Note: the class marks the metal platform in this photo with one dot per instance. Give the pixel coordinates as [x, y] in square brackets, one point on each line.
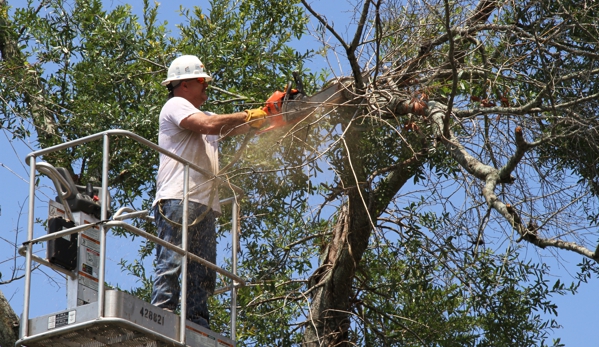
[127, 321]
[95, 316]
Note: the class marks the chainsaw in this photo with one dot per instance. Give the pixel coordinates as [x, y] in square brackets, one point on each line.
[293, 105]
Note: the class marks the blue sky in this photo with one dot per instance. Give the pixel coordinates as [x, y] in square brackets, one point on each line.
[576, 313]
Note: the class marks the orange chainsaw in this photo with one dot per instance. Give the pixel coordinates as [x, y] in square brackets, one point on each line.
[293, 105]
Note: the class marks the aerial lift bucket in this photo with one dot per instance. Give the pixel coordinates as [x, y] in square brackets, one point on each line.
[95, 316]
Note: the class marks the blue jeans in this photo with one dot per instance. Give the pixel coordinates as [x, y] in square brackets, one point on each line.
[201, 242]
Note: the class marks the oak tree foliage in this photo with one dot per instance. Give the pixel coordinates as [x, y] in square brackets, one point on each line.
[418, 212]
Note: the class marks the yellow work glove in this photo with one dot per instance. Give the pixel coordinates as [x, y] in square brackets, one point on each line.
[255, 117]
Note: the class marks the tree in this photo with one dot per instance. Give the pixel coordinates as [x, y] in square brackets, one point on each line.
[459, 86]
[397, 218]
[9, 331]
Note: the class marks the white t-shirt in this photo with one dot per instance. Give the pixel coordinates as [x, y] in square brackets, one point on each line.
[199, 149]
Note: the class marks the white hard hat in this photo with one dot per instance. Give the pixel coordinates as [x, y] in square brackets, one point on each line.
[185, 67]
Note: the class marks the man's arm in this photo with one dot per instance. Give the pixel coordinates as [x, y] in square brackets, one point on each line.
[218, 124]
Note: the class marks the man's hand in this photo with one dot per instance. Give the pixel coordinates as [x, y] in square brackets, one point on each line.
[255, 117]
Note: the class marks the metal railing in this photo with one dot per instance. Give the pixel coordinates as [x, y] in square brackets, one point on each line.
[118, 221]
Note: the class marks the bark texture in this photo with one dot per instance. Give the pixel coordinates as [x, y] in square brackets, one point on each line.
[331, 284]
[9, 323]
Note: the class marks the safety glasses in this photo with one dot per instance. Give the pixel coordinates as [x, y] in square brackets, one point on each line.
[201, 80]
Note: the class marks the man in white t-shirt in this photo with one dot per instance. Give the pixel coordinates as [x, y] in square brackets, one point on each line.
[191, 134]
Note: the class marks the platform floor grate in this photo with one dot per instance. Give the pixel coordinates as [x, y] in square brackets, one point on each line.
[101, 335]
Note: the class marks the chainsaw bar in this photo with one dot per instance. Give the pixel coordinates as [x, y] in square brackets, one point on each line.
[303, 106]
[297, 106]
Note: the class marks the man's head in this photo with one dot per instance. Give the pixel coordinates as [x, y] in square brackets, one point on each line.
[186, 78]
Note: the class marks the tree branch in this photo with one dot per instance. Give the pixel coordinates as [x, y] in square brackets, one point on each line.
[351, 50]
[325, 23]
[521, 147]
[492, 177]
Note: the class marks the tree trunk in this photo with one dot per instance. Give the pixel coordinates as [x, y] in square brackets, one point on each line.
[8, 47]
[331, 284]
[9, 323]
[43, 119]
